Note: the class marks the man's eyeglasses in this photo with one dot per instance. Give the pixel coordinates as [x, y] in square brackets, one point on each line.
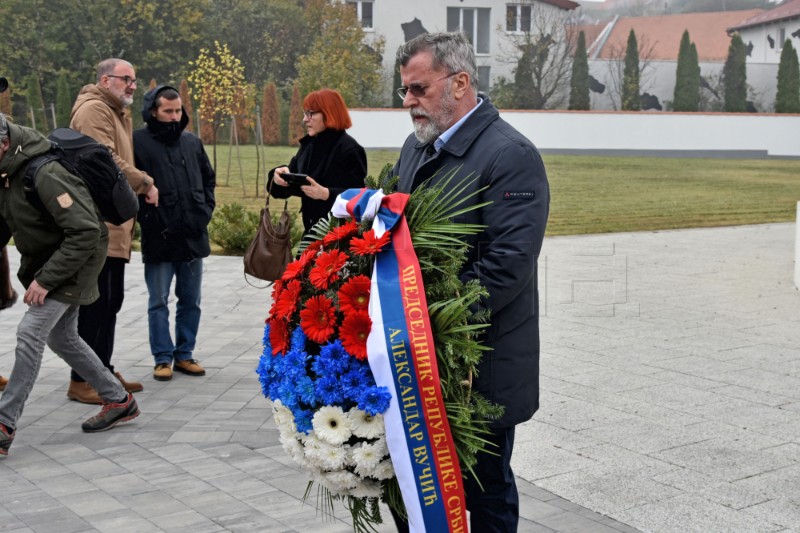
[127, 79]
[418, 90]
[309, 114]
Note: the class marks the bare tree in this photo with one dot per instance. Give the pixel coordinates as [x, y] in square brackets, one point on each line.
[615, 64]
[539, 39]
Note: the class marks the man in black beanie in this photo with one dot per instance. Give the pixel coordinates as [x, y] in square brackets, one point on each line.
[174, 233]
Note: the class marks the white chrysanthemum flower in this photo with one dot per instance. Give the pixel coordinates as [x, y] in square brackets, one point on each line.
[327, 457]
[284, 418]
[384, 470]
[364, 425]
[367, 488]
[366, 458]
[381, 447]
[343, 480]
[331, 425]
[295, 450]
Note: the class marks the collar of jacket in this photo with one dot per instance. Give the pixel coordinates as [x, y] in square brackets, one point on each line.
[469, 130]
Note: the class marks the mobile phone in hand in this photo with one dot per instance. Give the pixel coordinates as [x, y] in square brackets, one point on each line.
[293, 178]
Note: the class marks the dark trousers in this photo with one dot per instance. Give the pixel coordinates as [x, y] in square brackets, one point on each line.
[97, 322]
[495, 507]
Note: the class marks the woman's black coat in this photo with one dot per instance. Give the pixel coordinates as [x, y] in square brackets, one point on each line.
[334, 160]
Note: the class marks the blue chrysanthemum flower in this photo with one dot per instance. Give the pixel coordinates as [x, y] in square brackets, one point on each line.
[265, 340]
[328, 390]
[375, 400]
[298, 339]
[354, 381]
[302, 420]
[306, 391]
[332, 360]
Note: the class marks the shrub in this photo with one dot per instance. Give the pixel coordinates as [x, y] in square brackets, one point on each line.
[233, 227]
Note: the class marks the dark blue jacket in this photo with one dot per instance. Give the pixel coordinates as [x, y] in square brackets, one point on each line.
[504, 256]
[176, 230]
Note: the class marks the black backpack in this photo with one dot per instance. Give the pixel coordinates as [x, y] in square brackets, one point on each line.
[91, 161]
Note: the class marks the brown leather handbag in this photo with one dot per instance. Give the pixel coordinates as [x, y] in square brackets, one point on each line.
[271, 250]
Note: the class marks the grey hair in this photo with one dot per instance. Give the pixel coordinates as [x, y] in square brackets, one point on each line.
[3, 127]
[107, 66]
[451, 50]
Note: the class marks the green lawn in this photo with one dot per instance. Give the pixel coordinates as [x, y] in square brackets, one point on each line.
[592, 194]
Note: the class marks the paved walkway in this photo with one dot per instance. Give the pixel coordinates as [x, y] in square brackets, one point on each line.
[670, 392]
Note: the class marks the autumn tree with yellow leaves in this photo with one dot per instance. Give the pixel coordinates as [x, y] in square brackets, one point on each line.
[216, 82]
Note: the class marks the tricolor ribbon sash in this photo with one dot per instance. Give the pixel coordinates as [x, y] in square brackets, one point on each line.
[402, 357]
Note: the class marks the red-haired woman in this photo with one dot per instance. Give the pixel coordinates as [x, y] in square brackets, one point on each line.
[332, 159]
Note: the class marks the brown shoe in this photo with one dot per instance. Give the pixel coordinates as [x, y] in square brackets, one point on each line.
[81, 391]
[130, 386]
[190, 367]
[162, 372]
[3, 383]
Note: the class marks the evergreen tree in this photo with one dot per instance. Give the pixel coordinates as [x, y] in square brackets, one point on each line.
[734, 75]
[5, 103]
[36, 103]
[524, 89]
[579, 83]
[186, 101]
[64, 99]
[397, 102]
[788, 97]
[271, 116]
[296, 128]
[630, 76]
[687, 77]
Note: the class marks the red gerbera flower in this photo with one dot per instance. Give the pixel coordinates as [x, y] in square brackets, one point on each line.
[354, 332]
[287, 303]
[369, 244]
[318, 318]
[341, 232]
[277, 289]
[278, 336]
[326, 271]
[354, 295]
[293, 269]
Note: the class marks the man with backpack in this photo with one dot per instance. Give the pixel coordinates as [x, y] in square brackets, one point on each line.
[102, 112]
[174, 234]
[62, 251]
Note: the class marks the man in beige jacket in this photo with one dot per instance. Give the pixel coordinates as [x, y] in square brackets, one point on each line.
[102, 112]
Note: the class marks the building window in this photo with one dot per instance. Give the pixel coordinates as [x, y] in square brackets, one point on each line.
[518, 18]
[781, 38]
[483, 79]
[474, 22]
[364, 11]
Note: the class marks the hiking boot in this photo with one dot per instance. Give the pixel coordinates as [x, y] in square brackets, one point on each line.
[130, 386]
[112, 414]
[190, 367]
[81, 391]
[6, 438]
[3, 383]
[162, 372]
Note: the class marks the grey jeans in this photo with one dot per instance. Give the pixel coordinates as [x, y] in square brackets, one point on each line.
[55, 323]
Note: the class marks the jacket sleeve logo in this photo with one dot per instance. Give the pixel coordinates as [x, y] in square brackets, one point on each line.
[65, 200]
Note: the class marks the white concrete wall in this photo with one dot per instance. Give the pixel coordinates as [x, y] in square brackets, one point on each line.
[772, 135]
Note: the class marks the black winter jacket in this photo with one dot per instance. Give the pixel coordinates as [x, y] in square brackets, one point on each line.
[334, 160]
[504, 256]
[176, 230]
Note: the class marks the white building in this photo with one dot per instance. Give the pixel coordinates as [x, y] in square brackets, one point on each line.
[488, 23]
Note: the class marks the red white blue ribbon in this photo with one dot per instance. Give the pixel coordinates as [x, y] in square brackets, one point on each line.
[402, 358]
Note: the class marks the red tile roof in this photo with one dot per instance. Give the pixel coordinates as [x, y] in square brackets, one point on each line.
[590, 32]
[563, 4]
[785, 11]
[661, 35]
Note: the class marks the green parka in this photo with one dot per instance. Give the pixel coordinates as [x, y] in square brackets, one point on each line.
[65, 250]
